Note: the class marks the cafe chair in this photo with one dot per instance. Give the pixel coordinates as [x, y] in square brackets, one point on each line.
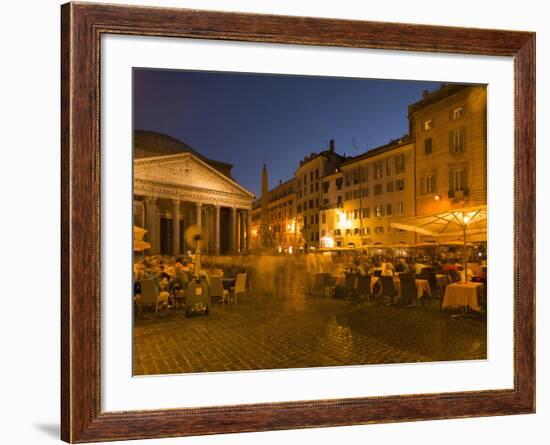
[217, 292]
[351, 279]
[151, 296]
[388, 289]
[239, 288]
[408, 290]
[363, 286]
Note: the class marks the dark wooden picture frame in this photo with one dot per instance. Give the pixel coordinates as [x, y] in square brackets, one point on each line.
[82, 26]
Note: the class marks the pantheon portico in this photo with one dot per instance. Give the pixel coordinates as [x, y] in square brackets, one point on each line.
[173, 191]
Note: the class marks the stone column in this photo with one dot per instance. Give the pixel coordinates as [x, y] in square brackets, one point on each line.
[176, 228]
[248, 217]
[198, 215]
[233, 230]
[151, 224]
[242, 223]
[216, 230]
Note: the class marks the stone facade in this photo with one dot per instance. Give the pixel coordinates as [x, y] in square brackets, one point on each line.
[341, 201]
[366, 195]
[174, 191]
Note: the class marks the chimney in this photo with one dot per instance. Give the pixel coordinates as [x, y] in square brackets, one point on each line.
[331, 145]
[425, 93]
[280, 181]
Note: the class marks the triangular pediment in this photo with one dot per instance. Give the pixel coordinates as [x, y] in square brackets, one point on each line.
[186, 170]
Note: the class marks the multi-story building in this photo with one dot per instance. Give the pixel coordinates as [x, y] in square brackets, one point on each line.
[368, 193]
[281, 218]
[449, 127]
[308, 179]
[351, 202]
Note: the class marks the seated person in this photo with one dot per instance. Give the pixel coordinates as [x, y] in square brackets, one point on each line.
[401, 266]
[387, 269]
[180, 279]
[419, 266]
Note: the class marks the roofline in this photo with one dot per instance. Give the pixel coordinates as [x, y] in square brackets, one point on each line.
[206, 164]
[176, 140]
[378, 150]
[446, 90]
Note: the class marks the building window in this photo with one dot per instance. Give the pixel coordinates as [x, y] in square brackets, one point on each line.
[338, 232]
[356, 231]
[366, 212]
[324, 218]
[389, 210]
[339, 182]
[427, 185]
[311, 203]
[356, 194]
[400, 163]
[428, 124]
[365, 192]
[339, 201]
[379, 229]
[457, 140]
[428, 146]
[378, 189]
[401, 208]
[379, 211]
[317, 173]
[364, 173]
[311, 176]
[457, 181]
[457, 113]
[388, 166]
[399, 185]
[389, 187]
[326, 186]
[347, 195]
[356, 175]
[305, 179]
[377, 166]
[356, 214]
[316, 202]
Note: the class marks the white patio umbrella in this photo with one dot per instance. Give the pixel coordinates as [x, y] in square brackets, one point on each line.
[457, 222]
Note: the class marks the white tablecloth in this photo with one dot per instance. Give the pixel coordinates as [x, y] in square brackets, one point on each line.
[462, 294]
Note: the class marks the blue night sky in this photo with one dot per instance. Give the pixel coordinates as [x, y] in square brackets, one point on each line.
[243, 119]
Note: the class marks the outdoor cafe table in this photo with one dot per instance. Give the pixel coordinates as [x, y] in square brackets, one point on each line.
[422, 286]
[443, 281]
[462, 294]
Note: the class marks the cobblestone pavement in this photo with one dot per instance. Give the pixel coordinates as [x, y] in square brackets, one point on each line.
[290, 330]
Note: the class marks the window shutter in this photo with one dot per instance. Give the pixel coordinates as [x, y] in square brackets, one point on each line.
[451, 142]
[466, 191]
[434, 183]
[463, 137]
[451, 185]
[422, 186]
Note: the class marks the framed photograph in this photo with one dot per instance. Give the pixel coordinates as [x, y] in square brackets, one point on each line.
[275, 222]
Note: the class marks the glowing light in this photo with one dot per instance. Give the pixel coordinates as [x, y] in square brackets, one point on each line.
[437, 197]
[343, 223]
[290, 249]
[327, 242]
